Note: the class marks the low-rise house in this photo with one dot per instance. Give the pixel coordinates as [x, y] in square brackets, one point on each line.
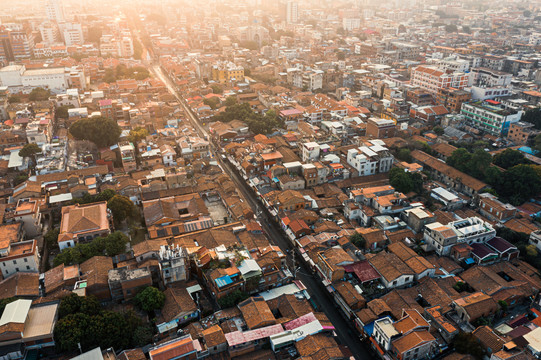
[27, 211]
[394, 272]
[125, 283]
[83, 223]
[256, 313]
[473, 306]
[494, 209]
[26, 326]
[183, 347]
[330, 263]
[215, 340]
[95, 277]
[22, 256]
[9, 234]
[179, 307]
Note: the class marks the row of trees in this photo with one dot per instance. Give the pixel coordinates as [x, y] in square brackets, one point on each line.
[82, 320]
[258, 124]
[517, 184]
[110, 245]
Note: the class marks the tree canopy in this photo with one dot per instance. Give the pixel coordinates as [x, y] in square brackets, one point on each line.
[509, 158]
[533, 116]
[39, 94]
[111, 245]
[405, 182]
[137, 134]
[83, 321]
[29, 150]
[99, 130]
[150, 299]
[122, 208]
[518, 184]
[258, 124]
[466, 343]
[358, 240]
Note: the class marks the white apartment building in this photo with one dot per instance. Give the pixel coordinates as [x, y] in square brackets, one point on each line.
[49, 33]
[310, 151]
[370, 158]
[72, 33]
[292, 12]
[442, 238]
[432, 78]
[490, 116]
[55, 10]
[16, 76]
[485, 77]
[350, 24]
[23, 256]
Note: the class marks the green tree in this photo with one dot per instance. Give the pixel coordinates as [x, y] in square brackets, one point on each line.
[150, 299]
[61, 112]
[531, 250]
[466, 343]
[358, 240]
[451, 28]
[14, 99]
[537, 143]
[404, 154]
[30, 151]
[232, 299]
[341, 56]
[466, 29]
[509, 158]
[115, 243]
[438, 130]
[51, 238]
[503, 305]
[533, 116]
[99, 130]
[230, 101]
[213, 102]
[400, 180]
[122, 208]
[459, 159]
[39, 94]
[519, 183]
[479, 163]
[217, 89]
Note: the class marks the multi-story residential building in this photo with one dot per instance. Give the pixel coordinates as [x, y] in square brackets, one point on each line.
[431, 78]
[486, 93]
[55, 10]
[310, 151]
[227, 72]
[484, 77]
[380, 128]
[490, 116]
[453, 98]
[49, 33]
[28, 212]
[292, 12]
[370, 158]
[351, 23]
[521, 133]
[173, 264]
[21, 256]
[125, 283]
[494, 209]
[72, 33]
[442, 238]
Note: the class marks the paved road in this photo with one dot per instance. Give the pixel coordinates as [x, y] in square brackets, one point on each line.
[316, 289]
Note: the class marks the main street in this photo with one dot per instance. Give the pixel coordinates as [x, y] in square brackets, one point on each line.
[346, 334]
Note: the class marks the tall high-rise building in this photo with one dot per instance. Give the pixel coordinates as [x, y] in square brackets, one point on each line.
[72, 33]
[55, 10]
[292, 12]
[16, 42]
[49, 32]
